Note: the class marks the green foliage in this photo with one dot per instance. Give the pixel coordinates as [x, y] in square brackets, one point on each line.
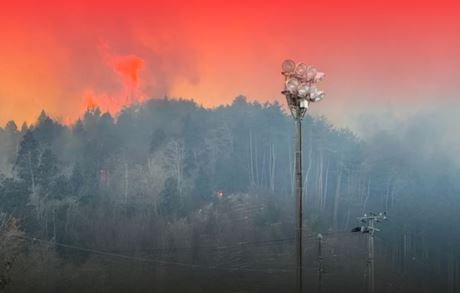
[170, 171]
[28, 159]
[170, 204]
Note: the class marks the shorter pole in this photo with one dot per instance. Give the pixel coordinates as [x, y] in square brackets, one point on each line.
[371, 256]
[368, 221]
[320, 263]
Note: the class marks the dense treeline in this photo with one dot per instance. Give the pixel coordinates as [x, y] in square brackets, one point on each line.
[168, 181]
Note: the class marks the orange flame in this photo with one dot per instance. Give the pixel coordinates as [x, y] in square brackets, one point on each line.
[89, 103]
[128, 68]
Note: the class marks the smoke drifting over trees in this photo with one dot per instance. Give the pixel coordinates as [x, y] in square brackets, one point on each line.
[169, 196]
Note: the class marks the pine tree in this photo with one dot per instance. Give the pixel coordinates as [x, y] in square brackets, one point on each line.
[170, 200]
[47, 170]
[27, 161]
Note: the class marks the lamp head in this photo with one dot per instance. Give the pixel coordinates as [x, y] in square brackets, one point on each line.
[299, 86]
[292, 85]
[311, 73]
[303, 90]
[288, 66]
[301, 69]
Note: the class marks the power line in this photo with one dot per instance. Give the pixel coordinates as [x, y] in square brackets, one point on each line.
[263, 243]
[151, 260]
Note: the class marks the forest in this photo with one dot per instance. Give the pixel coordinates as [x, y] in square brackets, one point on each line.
[169, 196]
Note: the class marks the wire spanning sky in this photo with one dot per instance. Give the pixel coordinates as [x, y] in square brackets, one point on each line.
[65, 56]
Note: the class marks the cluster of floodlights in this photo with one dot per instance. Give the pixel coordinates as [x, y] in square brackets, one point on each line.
[299, 86]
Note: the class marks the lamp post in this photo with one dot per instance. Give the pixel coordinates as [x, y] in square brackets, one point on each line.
[300, 91]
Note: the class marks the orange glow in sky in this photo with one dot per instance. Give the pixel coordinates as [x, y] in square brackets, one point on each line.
[65, 56]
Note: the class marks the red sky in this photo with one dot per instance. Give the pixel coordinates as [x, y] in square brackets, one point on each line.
[64, 55]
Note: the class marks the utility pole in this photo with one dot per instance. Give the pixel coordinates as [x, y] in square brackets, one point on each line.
[320, 263]
[368, 221]
[370, 263]
[300, 91]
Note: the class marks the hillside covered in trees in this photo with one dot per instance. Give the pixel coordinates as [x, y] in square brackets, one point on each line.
[169, 196]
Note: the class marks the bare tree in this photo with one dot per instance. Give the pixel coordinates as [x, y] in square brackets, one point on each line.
[11, 244]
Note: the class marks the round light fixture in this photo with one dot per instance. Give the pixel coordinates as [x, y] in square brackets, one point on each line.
[311, 72]
[319, 95]
[288, 66]
[292, 84]
[300, 69]
[303, 90]
[319, 76]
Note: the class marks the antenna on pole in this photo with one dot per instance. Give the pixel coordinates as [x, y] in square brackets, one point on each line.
[368, 227]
